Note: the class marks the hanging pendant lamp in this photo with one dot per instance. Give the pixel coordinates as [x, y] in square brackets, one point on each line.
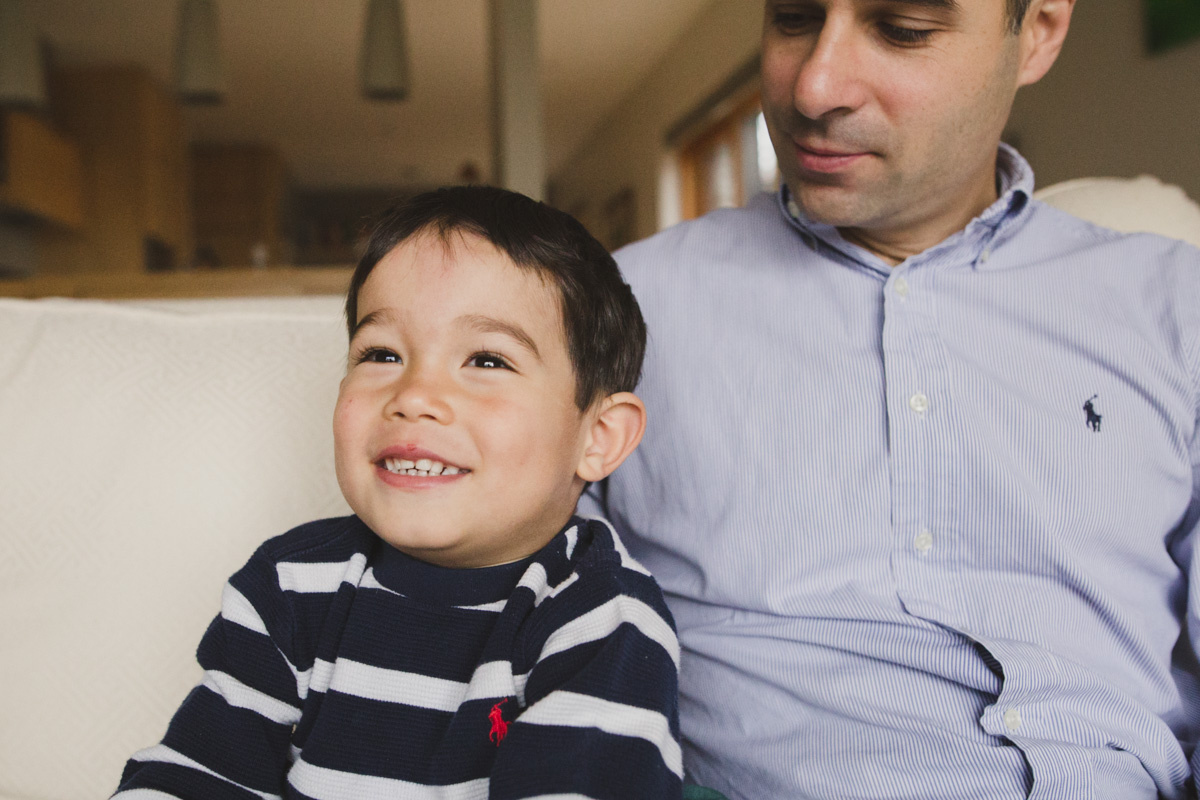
[385, 51]
[198, 78]
[22, 83]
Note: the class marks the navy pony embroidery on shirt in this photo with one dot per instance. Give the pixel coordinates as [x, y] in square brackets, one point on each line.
[1093, 418]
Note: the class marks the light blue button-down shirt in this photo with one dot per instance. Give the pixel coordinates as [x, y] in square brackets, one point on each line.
[927, 531]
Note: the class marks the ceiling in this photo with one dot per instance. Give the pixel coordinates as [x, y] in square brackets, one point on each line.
[291, 74]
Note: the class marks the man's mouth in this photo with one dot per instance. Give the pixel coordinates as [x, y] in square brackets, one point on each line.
[421, 467]
[826, 159]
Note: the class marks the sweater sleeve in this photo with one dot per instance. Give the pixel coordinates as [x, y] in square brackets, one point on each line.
[600, 714]
[230, 738]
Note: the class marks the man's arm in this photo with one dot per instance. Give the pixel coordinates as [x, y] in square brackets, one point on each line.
[1192, 642]
[230, 738]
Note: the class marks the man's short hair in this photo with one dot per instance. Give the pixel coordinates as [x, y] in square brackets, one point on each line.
[606, 335]
[1016, 14]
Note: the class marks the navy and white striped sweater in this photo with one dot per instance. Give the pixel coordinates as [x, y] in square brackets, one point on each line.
[341, 668]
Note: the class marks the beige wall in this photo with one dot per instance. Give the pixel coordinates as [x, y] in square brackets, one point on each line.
[1108, 109]
[627, 148]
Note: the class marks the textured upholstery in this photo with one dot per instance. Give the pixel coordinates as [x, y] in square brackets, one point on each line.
[143, 455]
[145, 450]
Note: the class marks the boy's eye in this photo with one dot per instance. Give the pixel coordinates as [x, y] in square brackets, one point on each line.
[488, 361]
[377, 355]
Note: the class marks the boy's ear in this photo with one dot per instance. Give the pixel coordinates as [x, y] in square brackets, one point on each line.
[617, 424]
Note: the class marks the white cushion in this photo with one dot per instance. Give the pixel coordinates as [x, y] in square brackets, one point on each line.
[143, 456]
[1130, 205]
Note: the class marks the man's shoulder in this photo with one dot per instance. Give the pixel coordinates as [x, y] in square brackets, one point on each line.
[705, 239]
[1060, 233]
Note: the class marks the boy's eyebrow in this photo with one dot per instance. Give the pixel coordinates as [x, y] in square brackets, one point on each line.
[485, 324]
[376, 317]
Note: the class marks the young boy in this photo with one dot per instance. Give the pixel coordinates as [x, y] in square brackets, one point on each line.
[463, 635]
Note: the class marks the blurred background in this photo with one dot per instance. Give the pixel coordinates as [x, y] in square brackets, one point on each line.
[218, 147]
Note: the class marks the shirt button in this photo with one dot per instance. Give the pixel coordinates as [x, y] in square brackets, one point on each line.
[793, 209]
[985, 255]
[919, 403]
[923, 542]
[1012, 719]
[901, 287]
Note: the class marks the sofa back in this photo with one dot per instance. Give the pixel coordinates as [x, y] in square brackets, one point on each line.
[144, 453]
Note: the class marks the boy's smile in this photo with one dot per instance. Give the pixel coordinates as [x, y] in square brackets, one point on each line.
[456, 434]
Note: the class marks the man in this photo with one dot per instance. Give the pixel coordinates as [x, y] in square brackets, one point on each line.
[919, 478]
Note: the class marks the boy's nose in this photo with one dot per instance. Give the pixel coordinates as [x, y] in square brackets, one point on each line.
[418, 395]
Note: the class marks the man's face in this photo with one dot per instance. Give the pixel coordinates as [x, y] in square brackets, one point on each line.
[456, 433]
[885, 114]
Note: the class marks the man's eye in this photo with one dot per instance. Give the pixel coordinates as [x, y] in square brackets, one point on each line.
[378, 355]
[898, 34]
[488, 361]
[792, 23]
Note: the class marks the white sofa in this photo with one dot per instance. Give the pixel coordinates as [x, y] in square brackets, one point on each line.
[145, 450]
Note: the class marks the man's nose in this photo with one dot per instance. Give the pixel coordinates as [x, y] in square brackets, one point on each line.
[420, 394]
[830, 79]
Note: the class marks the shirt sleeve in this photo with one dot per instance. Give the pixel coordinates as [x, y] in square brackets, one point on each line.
[231, 736]
[600, 717]
[1188, 652]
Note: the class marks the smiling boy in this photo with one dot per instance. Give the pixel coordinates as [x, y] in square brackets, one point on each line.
[463, 635]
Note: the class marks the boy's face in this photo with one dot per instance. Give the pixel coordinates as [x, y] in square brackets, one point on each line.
[460, 359]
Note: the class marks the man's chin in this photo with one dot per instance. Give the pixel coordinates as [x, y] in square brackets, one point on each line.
[830, 205]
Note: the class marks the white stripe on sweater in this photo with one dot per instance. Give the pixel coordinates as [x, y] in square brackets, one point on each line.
[324, 577]
[394, 686]
[239, 695]
[602, 620]
[165, 755]
[330, 784]
[237, 609]
[569, 709]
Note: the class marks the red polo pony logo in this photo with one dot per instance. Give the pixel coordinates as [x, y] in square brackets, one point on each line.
[499, 726]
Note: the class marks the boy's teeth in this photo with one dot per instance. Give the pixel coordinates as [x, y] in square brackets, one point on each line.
[422, 467]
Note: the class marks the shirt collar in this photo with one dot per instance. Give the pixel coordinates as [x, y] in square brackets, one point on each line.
[972, 244]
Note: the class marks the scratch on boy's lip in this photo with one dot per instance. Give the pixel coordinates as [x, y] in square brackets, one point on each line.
[417, 462]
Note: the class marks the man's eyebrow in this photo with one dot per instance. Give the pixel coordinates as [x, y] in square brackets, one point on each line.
[940, 5]
[485, 324]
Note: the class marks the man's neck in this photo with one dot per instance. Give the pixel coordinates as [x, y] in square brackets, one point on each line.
[902, 239]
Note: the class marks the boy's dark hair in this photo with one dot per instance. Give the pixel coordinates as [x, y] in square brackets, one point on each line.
[606, 336]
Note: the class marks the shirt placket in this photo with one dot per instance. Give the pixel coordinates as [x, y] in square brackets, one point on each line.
[920, 411]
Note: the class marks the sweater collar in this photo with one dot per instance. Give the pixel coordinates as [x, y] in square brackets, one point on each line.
[448, 586]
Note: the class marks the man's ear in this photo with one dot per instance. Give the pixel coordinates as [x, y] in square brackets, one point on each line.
[616, 427]
[1042, 34]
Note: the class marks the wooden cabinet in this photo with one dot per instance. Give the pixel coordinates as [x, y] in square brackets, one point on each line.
[240, 198]
[135, 177]
[40, 172]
